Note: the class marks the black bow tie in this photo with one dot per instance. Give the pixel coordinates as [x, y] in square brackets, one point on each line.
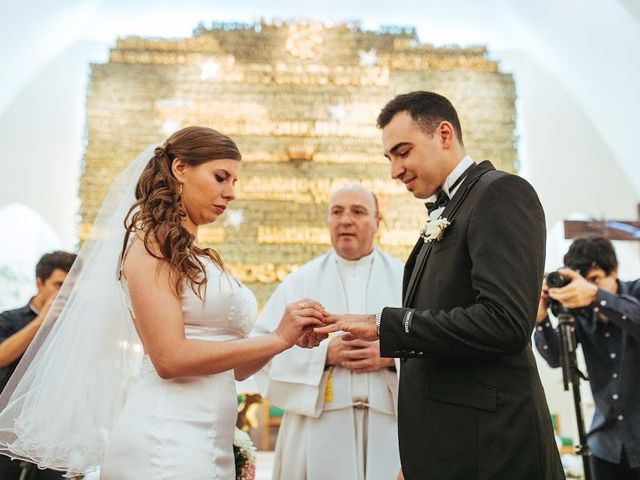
[441, 201]
[441, 197]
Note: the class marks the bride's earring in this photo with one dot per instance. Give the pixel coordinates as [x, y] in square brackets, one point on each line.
[179, 196]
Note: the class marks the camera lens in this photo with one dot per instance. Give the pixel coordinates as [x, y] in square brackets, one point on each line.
[557, 280]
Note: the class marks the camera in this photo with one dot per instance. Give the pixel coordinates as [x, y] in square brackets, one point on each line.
[557, 280]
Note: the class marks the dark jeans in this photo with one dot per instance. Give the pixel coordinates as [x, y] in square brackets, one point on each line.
[604, 470]
[11, 470]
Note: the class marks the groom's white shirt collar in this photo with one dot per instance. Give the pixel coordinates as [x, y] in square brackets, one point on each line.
[463, 164]
[459, 169]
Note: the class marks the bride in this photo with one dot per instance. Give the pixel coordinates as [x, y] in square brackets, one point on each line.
[82, 396]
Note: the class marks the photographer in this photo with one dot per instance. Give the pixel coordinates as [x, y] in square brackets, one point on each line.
[607, 319]
[17, 329]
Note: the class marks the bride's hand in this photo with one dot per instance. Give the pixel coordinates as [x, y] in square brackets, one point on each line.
[310, 339]
[298, 319]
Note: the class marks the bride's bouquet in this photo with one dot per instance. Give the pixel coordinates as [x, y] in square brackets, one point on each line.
[245, 455]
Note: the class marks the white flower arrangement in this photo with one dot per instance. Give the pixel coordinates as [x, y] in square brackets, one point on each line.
[245, 455]
[433, 230]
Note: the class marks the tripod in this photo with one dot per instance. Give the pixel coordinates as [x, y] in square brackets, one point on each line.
[27, 471]
[571, 374]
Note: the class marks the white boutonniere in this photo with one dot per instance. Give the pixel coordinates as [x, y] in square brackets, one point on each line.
[433, 230]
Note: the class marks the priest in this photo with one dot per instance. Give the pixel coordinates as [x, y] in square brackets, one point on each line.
[340, 398]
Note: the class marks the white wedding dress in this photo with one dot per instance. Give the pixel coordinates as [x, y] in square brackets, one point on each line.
[183, 428]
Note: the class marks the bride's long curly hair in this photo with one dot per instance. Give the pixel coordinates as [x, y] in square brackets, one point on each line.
[157, 214]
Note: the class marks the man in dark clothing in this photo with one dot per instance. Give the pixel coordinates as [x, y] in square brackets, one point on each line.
[470, 403]
[607, 315]
[18, 328]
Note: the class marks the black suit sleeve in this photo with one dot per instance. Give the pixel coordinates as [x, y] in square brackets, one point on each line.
[506, 246]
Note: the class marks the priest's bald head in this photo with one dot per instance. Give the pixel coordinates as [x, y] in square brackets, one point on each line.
[353, 221]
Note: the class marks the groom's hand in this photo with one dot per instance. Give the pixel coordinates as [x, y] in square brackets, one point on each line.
[359, 326]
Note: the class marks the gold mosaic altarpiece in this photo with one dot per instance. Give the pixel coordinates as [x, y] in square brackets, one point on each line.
[301, 100]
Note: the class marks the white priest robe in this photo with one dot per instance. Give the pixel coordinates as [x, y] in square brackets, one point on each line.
[338, 424]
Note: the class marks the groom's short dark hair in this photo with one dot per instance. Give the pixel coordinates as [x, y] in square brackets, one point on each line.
[427, 109]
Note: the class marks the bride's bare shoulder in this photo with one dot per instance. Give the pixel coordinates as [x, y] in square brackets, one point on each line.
[141, 255]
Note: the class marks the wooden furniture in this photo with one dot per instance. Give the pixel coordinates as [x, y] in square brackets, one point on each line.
[270, 420]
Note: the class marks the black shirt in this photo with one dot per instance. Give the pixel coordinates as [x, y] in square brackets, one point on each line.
[11, 322]
[612, 353]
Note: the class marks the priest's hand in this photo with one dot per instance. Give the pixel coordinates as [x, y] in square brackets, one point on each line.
[359, 326]
[363, 356]
[334, 351]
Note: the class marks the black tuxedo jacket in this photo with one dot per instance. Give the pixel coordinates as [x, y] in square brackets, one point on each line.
[471, 405]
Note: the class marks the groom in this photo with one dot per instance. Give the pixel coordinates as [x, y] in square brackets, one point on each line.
[471, 405]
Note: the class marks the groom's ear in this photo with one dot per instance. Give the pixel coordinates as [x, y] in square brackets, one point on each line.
[177, 169]
[446, 134]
